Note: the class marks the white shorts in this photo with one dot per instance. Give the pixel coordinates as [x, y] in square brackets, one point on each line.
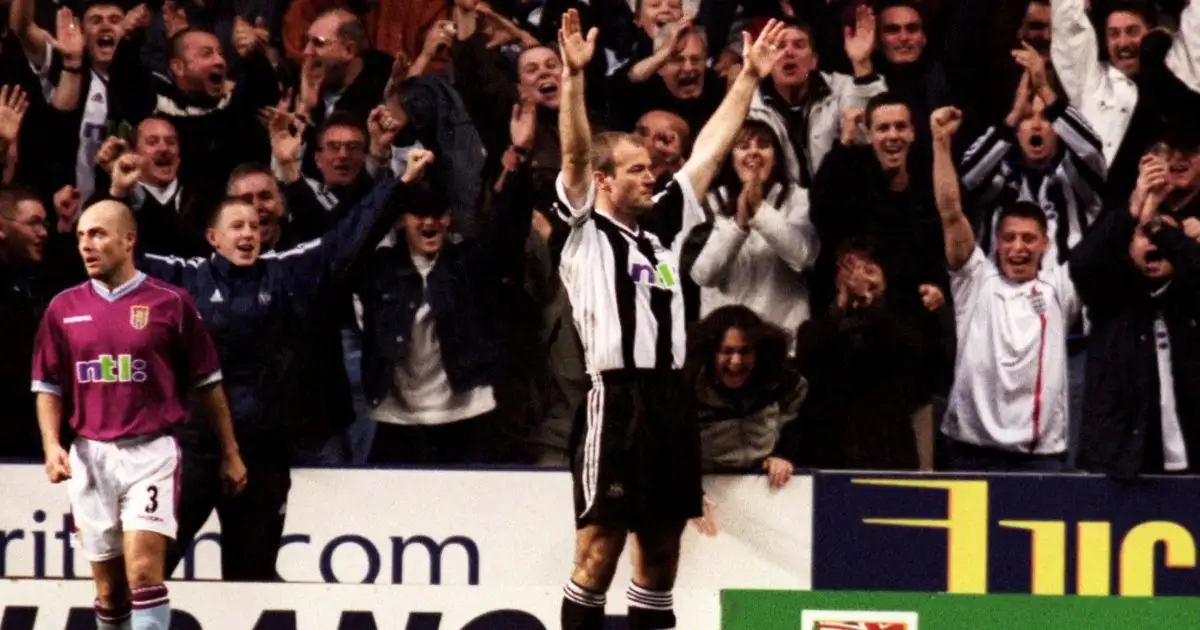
[127, 485]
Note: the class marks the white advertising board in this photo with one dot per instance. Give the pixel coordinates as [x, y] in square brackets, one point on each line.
[65, 605]
[481, 529]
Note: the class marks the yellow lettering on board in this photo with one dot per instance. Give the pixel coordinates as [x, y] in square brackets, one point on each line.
[1093, 558]
[1047, 556]
[1137, 554]
[966, 526]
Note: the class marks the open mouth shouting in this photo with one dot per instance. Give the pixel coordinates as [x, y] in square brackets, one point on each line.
[106, 43]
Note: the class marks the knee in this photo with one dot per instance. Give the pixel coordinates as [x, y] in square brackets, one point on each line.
[144, 571]
[595, 566]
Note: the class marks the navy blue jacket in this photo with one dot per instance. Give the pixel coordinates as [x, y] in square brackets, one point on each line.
[256, 314]
[461, 291]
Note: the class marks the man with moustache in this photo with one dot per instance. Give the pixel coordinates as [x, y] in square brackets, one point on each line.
[171, 215]
[804, 105]
[1007, 409]
[668, 139]
[1135, 271]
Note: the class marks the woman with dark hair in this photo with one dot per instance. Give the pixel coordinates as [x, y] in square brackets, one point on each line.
[745, 393]
[758, 241]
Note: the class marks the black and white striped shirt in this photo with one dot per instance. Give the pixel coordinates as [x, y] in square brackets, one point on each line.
[1068, 189]
[625, 287]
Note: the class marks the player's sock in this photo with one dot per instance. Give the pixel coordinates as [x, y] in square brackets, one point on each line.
[151, 608]
[650, 610]
[115, 618]
[581, 608]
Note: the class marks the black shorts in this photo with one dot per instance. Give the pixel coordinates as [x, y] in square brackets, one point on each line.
[636, 460]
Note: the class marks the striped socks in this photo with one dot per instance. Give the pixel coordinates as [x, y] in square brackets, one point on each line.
[650, 610]
[115, 618]
[151, 608]
[581, 608]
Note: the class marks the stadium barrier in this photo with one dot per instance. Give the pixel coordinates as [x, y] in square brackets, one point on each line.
[469, 545]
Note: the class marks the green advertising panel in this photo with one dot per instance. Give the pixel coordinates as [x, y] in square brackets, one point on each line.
[854, 610]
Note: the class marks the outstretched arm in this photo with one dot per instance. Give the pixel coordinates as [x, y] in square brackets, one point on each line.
[959, 238]
[575, 135]
[716, 138]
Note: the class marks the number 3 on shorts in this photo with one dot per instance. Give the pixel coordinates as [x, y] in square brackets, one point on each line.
[152, 504]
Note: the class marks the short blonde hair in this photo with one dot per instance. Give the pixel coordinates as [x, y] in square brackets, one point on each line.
[604, 146]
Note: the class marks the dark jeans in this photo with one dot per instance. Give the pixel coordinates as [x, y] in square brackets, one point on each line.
[962, 457]
[461, 442]
[251, 522]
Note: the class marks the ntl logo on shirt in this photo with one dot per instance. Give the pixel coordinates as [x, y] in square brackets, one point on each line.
[107, 369]
[662, 276]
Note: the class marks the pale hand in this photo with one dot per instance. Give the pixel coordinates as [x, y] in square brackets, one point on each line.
[126, 172]
[418, 160]
[287, 135]
[312, 77]
[1021, 101]
[860, 40]
[945, 123]
[706, 524]
[523, 125]
[675, 32]
[137, 18]
[13, 104]
[440, 34]
[1152, 180]
[779, 471]
[66, 206]
[1191, 227]
[576, 50]
[760, 55]
[852, 121]
[382, 129]
[932, 297]
[233, 474]
[247, 38]
[174, 20]
[1034, 64]
[112, 149]
[58, 464]
[68, 38]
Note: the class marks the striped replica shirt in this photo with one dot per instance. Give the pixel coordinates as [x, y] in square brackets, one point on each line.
[1010, 378]
[625, 288]
[1068, 189]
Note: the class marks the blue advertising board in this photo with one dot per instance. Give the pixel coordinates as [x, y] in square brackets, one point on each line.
[1040, 534]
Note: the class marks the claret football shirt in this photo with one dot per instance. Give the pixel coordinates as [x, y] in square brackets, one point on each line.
[124, 360]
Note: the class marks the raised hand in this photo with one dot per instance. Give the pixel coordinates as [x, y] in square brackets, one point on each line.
[287, 135]
[418, 159]
[112, 149]
[1152, 185]
[945, 123]
[749, 199]
[247, 38]
[523, 125]
[675, 33]
[136, 18]
[312, 77]
[66, 206]
[931, 297]
[174, 19]
[860, 39]
[852, 120]
[68, 38]
[1035, 65]
[13, 105]
[382, 128]
[125, 174]
[760, 55]
[576, 50]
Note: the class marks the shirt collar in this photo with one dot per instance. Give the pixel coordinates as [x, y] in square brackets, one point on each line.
[112, 295]
[162, 194]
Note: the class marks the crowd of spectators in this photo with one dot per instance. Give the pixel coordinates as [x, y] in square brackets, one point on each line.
[840, 317]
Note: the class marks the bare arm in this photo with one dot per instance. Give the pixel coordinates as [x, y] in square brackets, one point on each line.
[716, 138]
[33, 39]
[49, 418]
[959, 238]
[215, 407]
[68, 42]
[664, 48]
[574, 132]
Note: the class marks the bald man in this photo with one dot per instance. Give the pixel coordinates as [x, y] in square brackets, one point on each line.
[110, 350]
